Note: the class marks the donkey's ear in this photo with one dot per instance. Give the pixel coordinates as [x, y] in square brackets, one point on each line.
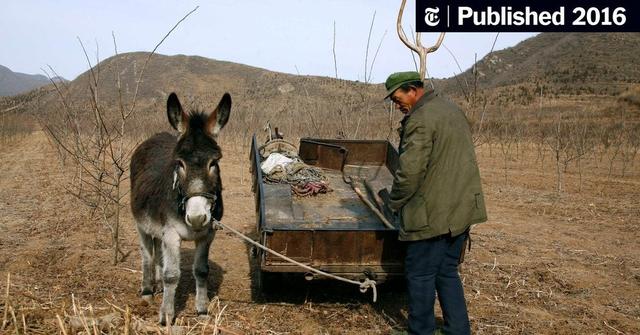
[219, 117]
[176, 115]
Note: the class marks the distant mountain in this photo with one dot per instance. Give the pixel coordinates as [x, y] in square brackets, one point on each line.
[12, 83]
[308, 105]
[556, 63]
[580, 66]
[559, 64]
[202, 81]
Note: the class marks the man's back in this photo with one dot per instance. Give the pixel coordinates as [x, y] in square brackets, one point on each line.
[449, 196]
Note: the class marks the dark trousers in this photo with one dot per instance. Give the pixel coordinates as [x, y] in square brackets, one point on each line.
[432, 266]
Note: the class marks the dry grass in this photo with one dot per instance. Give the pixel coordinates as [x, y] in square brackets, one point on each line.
[87, 319]
[544, 263]
[547, 262]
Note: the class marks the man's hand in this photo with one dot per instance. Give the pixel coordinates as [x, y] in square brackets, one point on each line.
[389, 213]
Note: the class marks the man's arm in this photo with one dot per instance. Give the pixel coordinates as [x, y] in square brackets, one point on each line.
[412, 168]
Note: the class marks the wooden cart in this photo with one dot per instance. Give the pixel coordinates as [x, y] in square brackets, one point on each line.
[334, 232]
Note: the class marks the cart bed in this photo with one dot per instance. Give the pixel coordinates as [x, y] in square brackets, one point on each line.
[336, 231]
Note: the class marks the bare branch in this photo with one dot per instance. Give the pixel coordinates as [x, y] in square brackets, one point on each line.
[335, 62]
[366, 54]
[417, 47]
[86, 56]
[376, 54]
[118, 83]
[494, 43]
[144, 67]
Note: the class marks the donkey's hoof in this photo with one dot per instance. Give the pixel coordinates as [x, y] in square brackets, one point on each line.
[166, 318]
[203, 317]
[147, 298]
[202, 307]
[158, 288]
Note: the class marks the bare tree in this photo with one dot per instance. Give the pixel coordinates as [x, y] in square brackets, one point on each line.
[96, 138]
[540, 134]
[614, 138]
[581, 143]
[477, 129]
[417, 46]
[630, 146]
[559, 142]
[505, 135]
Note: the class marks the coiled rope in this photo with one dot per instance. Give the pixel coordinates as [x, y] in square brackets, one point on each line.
[364, 285]
[305, 180]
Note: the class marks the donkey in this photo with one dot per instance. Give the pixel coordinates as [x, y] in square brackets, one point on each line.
[175, 194]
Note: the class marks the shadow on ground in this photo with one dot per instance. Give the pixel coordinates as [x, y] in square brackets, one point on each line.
[294, 289]
[187, 284]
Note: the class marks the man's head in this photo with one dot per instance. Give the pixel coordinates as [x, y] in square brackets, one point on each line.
[404, 89]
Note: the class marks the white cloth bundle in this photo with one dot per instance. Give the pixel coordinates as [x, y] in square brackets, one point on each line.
[274, 161]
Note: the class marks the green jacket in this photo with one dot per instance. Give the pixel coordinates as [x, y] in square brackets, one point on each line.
[437, 186]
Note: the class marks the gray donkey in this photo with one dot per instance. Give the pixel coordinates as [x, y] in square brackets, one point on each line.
[175, 193]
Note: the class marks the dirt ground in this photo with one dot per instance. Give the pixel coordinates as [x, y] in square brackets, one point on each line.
[542, 264]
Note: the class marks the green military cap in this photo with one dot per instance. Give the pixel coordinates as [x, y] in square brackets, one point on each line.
[397, 79]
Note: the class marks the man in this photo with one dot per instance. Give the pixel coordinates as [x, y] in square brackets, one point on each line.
[437, 191]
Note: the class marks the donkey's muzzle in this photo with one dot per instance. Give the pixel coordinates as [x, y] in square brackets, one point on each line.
[198, 211]
[197, 221]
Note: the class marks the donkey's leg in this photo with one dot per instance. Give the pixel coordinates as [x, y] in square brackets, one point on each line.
[157, 258]
[170, 274]
[148, 275]
[201, 271]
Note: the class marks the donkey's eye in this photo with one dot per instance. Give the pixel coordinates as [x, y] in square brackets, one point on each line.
[212, 167]
[180, 166]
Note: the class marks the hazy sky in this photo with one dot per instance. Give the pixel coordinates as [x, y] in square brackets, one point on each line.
[293, 36]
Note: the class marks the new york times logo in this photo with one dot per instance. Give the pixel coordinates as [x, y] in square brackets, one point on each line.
[431, 16]
[527, 15]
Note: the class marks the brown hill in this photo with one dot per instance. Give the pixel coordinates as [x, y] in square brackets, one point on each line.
[563, 66]
[258, 95]
[12, 83]
[203, 78]
[559, 63]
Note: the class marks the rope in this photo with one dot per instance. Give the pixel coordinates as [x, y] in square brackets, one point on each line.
[295, 173]
[364, 286]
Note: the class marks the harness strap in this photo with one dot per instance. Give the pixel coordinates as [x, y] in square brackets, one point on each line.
[185, 198]
[182, 207]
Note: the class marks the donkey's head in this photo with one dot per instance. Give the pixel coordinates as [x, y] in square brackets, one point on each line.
[196, 177]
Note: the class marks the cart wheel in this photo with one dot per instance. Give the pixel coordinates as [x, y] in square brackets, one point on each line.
[269, 282]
